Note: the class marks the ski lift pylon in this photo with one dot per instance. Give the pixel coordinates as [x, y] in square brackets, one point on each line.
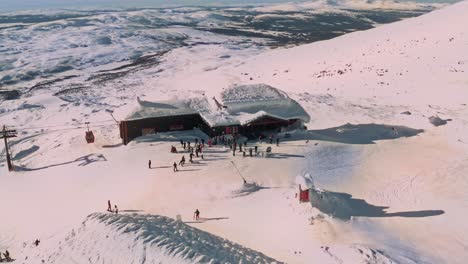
[89, 134]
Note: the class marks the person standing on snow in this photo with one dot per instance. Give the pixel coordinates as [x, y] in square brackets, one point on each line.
[196, 215]
[116, 209]
[175, 166]
[182, 161]
[109, 206]
[149, 164]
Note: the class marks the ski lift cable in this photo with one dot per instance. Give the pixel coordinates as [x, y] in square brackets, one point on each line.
[65, 129]
[73, 125]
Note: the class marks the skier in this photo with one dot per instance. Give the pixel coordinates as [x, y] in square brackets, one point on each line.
[116, 209]
[182, 161]
[196, 215]
[175, 166]
[109, 207]
[36, 242]
[149, 164]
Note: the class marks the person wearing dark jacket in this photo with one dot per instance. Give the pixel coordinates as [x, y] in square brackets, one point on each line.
[196, 215]
[175, 166]
[149, 164]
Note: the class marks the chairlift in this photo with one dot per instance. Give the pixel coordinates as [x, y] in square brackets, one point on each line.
[89, 134]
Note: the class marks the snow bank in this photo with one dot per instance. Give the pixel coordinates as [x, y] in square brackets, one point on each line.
[158, 239]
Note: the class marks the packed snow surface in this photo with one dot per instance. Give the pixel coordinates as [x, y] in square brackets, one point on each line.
[387, 186]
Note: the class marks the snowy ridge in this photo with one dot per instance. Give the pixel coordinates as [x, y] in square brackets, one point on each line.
[157, 239]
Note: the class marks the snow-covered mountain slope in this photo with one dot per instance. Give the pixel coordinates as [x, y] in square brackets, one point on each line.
[391, 192]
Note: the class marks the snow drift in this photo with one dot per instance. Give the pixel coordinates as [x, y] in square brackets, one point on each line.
[157, 239]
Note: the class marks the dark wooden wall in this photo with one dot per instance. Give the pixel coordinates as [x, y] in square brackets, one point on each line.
[131, 129]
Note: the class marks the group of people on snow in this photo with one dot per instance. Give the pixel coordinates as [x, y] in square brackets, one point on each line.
[109, 206]
[6, 256]
[196, 150]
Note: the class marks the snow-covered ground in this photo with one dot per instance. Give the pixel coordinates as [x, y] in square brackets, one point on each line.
[390, 188]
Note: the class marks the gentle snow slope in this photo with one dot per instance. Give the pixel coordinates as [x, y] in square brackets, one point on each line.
[418, 66]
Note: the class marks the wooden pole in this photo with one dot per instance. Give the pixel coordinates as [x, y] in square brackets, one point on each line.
[238, 171]
[7, 134]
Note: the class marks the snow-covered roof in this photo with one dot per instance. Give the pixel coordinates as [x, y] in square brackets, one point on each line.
[146, 109]
[250, 102]
[244, 104]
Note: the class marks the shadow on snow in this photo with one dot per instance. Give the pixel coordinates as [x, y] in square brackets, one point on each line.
[343, 206]
[356, 134]
[83, 161]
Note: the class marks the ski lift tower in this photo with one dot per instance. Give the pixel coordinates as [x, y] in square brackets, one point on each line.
[7, 134]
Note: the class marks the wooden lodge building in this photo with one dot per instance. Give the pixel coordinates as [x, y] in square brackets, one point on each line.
[248, 110]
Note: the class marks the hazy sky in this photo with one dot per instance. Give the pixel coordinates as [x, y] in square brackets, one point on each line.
[10, 5]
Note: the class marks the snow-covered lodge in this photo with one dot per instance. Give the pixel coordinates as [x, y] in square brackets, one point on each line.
[247, 110]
